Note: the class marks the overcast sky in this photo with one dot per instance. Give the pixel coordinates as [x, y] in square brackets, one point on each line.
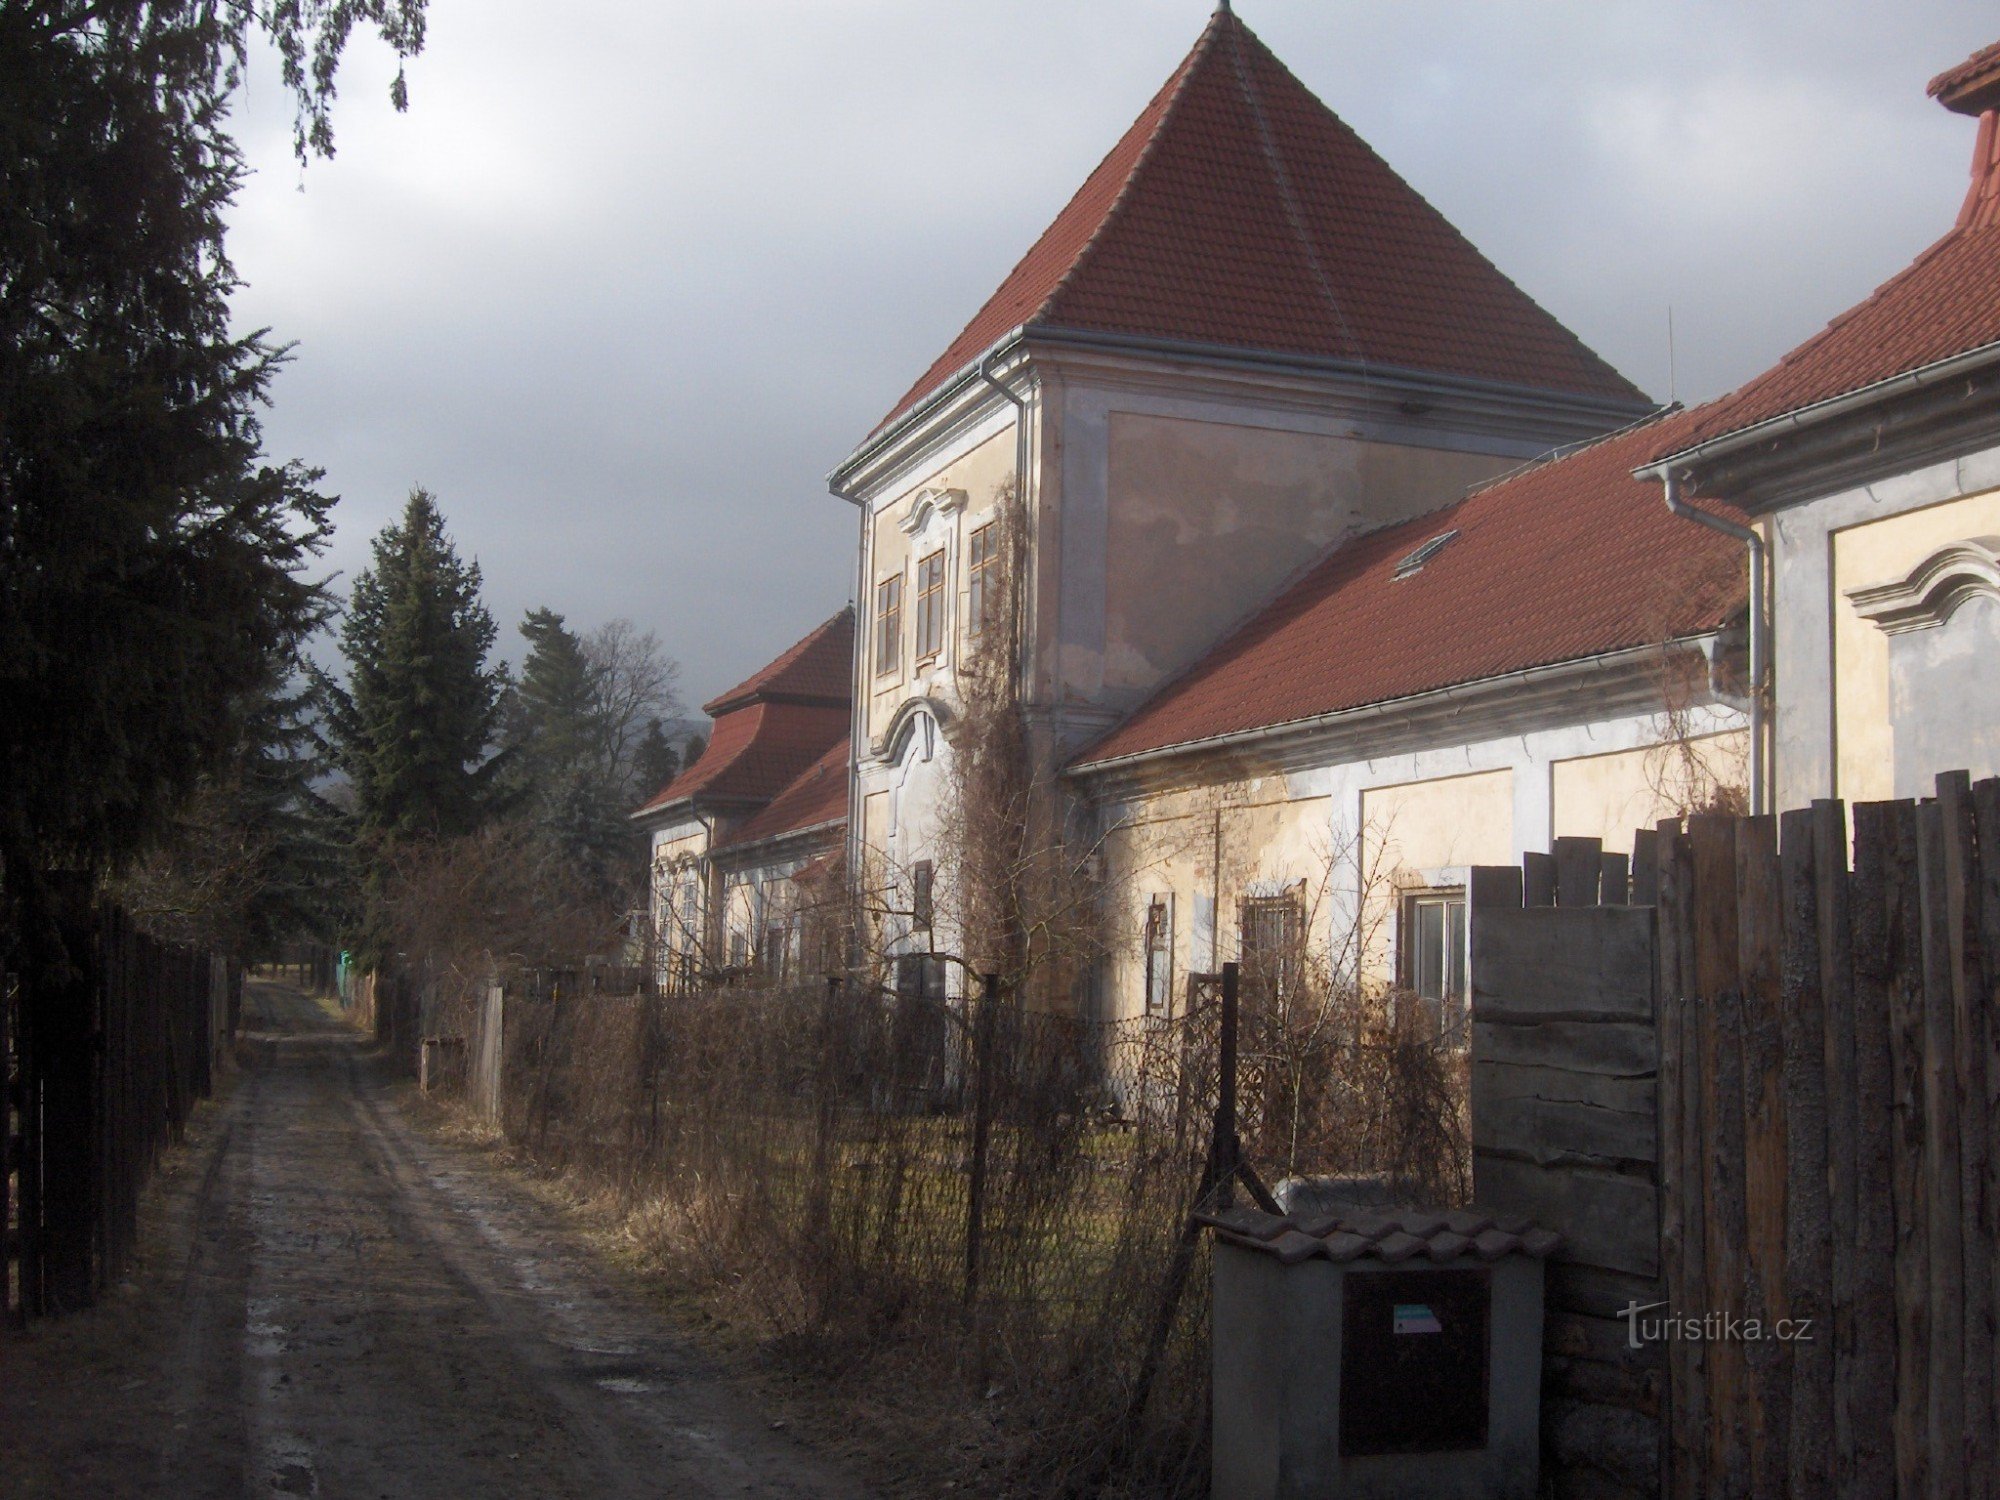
[631, 276]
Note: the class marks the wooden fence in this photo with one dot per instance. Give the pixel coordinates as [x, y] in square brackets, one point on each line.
[1770, 1105]
[103, 1065]
[1565, 1061]
[1829, 1088]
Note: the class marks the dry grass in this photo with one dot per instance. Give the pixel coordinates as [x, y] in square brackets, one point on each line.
[794, 1168]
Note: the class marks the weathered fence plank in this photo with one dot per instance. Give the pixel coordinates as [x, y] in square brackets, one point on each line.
[1808, 1225]
[1584, 964]
[1681, 1435]
[1970, 1002]
[1538, 879]
[1902, 958]
[1578, 864]
[1986, 814]
[1760, 941]
[1717, 979]
[1945, 1252]
[1874, 1395]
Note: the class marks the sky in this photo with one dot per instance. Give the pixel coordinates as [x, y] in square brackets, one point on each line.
[631, 276]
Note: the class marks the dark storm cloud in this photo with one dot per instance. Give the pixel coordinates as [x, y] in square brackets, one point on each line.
[629, 279]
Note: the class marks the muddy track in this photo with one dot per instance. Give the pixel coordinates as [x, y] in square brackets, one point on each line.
[362, 1311]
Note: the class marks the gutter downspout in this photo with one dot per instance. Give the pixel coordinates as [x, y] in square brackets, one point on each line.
[1760, 625]
[857, 675]
[1020, 404]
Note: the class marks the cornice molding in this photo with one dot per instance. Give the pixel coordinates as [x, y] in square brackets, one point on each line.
[1933, 590]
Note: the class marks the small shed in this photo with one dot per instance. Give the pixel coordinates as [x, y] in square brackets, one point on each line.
[1368, 1352]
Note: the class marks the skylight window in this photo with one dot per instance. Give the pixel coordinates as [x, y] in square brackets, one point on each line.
[1414, 561]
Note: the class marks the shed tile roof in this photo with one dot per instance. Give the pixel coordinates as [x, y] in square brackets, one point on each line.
[1239, 210]
[1945, 303]
[774, 724]
[1393, 1236]
[818, 797]
[818, 668]
[755, 752]
[1567, 560]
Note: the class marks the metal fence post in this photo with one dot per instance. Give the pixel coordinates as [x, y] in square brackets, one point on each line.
[982, 1125]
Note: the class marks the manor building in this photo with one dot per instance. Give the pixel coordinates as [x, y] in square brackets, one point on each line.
[1325, 568]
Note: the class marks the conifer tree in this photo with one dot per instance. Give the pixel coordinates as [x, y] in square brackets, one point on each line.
[415, 724]
[153, 575]
[656, 762]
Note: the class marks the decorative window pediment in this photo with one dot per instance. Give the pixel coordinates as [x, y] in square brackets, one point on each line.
[928, 502]
[1934, 589]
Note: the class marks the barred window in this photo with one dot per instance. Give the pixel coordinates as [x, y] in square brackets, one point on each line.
[930, 606]
[888, 625]
[1273, 931]
[982, 556]
[922, 879]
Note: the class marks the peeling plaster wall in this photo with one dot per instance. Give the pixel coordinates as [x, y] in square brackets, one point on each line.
[1609, 797]
[981, 473]
[1207, 519]
[1422, 817]
[1834, 734]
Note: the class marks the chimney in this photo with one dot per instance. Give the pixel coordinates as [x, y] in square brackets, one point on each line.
[1973, 88]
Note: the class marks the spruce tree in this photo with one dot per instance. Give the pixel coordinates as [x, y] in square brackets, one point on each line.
[153, 575]
[657, 762]
[415, 724]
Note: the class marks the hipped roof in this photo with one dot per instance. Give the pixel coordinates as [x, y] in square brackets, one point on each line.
[773, 725]
[1239, 211]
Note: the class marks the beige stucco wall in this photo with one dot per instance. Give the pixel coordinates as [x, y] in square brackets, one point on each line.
[983, 473]
[677, 857]
[1874, 553]
[1168, 845]
[1608, 797]
[1207, 519]
[1411, 831]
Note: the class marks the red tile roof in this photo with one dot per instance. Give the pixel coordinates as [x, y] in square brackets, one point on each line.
[773, 725]
[817, 798]
[1971, 88]
[1571, 559]
[817, 669]
[1239, 210]
[1946, 303]
[754, 753]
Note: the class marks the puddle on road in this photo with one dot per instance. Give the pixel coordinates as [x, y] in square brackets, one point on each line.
[625, 1385]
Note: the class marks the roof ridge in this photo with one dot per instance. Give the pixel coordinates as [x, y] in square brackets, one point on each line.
[1288, 193]
[1563, 451]
[760, 683]
[1176, 89]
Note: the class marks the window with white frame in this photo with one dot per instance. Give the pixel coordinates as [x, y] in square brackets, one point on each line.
[1431, 946]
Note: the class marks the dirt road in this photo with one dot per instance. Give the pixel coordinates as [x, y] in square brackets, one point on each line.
[337, 1305]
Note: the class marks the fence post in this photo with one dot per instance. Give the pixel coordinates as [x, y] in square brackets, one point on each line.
[982, 1126]
[1970, 1005]
[1226, 1153]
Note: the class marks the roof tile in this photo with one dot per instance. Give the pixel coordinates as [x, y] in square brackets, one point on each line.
[1238, 210]
[817, 798]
